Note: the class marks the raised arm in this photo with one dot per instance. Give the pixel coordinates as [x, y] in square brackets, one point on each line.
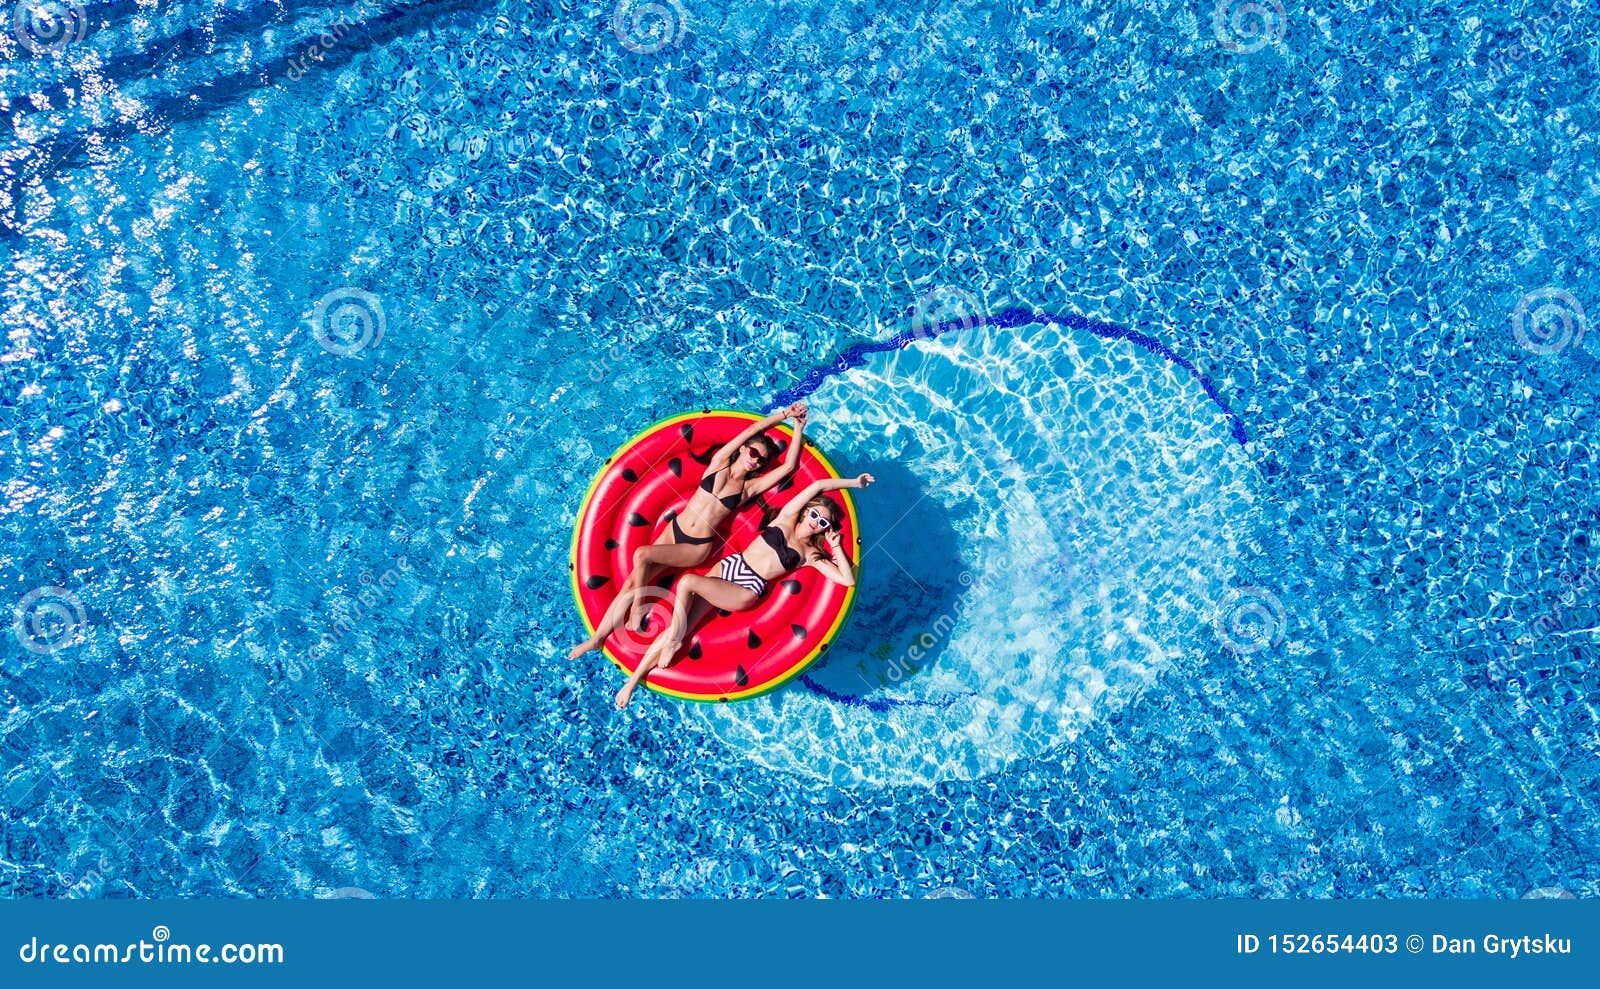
[791, 509]
[730, 448]
[791, 461]
[837, 566]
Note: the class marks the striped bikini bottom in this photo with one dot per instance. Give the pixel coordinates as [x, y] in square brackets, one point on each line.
[735, 570]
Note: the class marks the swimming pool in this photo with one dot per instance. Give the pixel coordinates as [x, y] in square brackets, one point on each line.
[1225, 368]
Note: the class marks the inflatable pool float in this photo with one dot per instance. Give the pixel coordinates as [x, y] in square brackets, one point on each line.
[729, 656]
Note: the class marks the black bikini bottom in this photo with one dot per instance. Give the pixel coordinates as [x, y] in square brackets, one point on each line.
[679, 536]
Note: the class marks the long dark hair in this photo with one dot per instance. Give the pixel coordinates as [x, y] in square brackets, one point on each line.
[773, 449]
[818, 542]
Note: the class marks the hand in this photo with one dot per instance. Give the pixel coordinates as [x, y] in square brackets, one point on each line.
[865, 480]
[800, 417]
[797, 411]
[834, 539]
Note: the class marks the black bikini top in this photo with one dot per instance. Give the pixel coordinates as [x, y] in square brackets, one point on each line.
[788, 556]
[708, 484]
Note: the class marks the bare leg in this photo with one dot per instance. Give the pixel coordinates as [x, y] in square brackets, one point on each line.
[677, 629]
[696, 594]
[646, 561]
[676, 555]
[645, 666]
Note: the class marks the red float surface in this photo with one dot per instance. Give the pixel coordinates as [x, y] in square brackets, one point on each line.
[629, 504]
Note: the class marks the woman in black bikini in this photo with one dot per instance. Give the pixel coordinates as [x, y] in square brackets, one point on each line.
[805, 533]
[689, 538]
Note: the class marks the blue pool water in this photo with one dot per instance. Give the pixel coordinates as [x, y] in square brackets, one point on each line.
[1226, 368]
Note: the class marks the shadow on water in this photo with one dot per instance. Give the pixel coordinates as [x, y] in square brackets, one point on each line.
[911, 582]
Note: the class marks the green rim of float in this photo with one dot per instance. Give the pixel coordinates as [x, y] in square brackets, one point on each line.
[603, 542]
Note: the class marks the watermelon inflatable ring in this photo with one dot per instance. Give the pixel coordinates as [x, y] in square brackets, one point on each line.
[729, 656]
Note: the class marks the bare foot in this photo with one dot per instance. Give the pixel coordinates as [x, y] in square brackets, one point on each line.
[583, 647]
[625, 695]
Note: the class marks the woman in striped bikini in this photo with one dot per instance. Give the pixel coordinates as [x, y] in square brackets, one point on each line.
[730, 481]
[804, 533]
